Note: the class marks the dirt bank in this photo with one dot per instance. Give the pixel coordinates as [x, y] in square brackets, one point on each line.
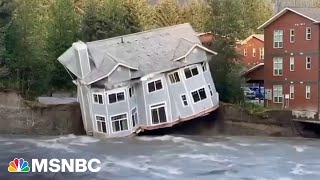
[18, 116]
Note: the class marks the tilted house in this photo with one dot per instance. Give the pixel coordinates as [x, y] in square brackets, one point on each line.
[142, 81]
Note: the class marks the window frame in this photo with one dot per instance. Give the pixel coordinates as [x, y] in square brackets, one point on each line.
[278, 96]
[116, 94]
[158, 106]
[155, 86]
[254, 52]
[105, 122]
[308, 33]
[98, 94]
[126, 115]
[198, 93]
[190, 68]
[291, 64]
[245, 52]
[210, 90]
[131, 91]
[262, 53]
[277, 38]
[171, 76]
[204, 66]
[184, 101]
[308, 62]
[135, 114]
[280, 59]
[308, 91]
[292, 35]
[291, 94]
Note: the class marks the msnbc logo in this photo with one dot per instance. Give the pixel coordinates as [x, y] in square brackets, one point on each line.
[19, 165]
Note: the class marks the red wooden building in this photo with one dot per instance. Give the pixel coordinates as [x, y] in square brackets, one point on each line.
[251, 50]
[291, 66]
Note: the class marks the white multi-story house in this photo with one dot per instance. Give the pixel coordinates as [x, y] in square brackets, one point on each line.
[142, 81]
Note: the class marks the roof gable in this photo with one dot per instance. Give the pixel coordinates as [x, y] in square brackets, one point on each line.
[259, 37]
[312, 14]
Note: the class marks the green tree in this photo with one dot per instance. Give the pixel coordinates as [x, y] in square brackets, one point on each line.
[168, 13]
[140, 13]
[63, 30]
[226, 72]
[106, 18]
[25, 46]
[198, 14]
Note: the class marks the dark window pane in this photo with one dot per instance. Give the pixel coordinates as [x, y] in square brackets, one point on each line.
[171, 78]
[195, 71]
[195, 96]
[187, 72]
[133, 120]
[104, 129]
[100, 99]
[112, 98]
[151, 87]
[202, 93]
[162, 114]
[99, 126]
[116, 126]
[124, 125]
[177, 77]
[120, 96]
[158, 85]
[154, 114]
[95, 97]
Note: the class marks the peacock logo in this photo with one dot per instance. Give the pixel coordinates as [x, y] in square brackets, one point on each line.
[19, 165]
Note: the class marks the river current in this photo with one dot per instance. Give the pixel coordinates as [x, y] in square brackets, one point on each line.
[170, 157]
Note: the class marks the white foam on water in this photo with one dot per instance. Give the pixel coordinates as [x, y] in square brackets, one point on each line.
[165, 138]
[223, 146]
[300, 148]
[204, 157]
[47, 144]
[144, 166]
[298, 170]
[8, 143]
[284, 178]
[244, 144]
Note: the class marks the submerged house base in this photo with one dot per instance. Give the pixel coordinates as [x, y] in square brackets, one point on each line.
[144, 81]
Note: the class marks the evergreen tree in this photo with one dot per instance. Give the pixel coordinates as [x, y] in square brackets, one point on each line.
[64, 27]
[168, 13]
[25, 46]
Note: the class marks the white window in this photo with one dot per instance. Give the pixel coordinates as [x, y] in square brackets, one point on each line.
[308, 33]
[308, 92]
[134, 117]
[308, 62]
[131, 91]
[277, 94]
[278, 39]
[210, 89]
[291, 91]
[199, 95]
[119, 123]
[204, 66]
[245, 52]
[277, 66]
[158, 114]
[191, 71]
[174, 77]
[116, 97]
[97, 98]
[291, 63]
[184, 100]
[261, 53]
[154, 86]
[254, 52]
[291, 35]
[101, 124]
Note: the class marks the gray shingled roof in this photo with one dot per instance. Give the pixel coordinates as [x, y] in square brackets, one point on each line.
[313, 13]
[147, 52]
